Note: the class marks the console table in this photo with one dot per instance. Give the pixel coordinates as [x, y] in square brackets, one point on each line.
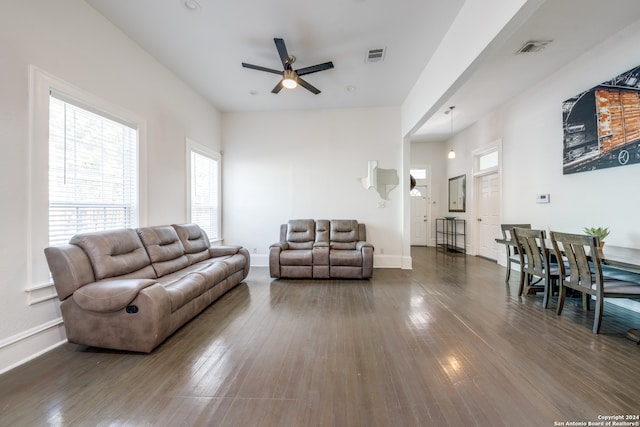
[451, 234]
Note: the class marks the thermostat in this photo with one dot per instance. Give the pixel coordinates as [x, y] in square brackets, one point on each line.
[542, 198]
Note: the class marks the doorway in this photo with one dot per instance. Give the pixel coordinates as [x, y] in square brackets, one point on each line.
[487, 188]
[419, 220]
[488, 215]
[420, 208]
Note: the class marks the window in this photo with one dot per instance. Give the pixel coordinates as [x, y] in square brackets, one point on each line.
[73, 163]
[204, 192]
[420, 177]
[488, 161]
[418, 173]
[92, 171]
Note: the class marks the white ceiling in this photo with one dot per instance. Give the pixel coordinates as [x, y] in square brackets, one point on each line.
[205, 49]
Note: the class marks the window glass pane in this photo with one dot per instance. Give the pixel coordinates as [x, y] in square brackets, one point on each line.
[488, 160]
[204, 193]
[418, 173]
[92, 172]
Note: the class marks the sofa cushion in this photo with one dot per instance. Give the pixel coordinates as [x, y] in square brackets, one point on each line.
[110, 295]
[297, 257]
[233, 263]
[194, 240]
[185, 289]
[344, 233]
[164, 248]
[345, 258]
[212, 272]
[115, 253]
[301, 233]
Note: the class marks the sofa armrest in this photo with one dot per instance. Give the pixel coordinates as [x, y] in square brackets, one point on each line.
[321, 245]
[283, 246]
[110, 295]
[361, 244]
[274, 257]
[367, 259]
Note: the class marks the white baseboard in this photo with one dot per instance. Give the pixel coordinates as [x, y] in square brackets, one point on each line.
[259, 260]
[387, 261]
[25, 346]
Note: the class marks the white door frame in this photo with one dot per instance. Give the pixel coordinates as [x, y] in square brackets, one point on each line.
[477, 174]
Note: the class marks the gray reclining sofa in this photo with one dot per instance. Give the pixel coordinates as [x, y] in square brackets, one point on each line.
[130, 289]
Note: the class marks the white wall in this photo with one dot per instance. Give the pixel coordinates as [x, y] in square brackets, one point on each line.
[531, 130]
[69, 40]
[307, 164]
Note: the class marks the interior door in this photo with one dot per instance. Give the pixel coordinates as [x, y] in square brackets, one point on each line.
[419, 218]
[488, 215]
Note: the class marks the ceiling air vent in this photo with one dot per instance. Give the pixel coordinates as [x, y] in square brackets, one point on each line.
[533, 46]
[375, 55]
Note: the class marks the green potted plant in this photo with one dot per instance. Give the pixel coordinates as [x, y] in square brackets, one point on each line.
[600, 232]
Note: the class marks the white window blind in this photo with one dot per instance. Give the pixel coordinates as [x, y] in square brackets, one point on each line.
[205, 175]
[92, 171]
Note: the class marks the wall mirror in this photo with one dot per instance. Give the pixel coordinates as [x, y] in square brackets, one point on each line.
[457, 187]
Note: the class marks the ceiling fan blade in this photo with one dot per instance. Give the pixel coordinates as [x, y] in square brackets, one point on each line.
[315, 68]
[278, 87]
[282, 51]
[259, 68]
[308, 86]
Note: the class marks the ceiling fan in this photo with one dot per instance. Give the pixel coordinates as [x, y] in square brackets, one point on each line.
[290, 77]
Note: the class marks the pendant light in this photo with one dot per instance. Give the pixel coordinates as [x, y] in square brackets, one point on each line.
[452, 154]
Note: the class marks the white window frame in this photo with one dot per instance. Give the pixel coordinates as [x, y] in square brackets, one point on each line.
[41, 84]
[192, 146]
[495, 147]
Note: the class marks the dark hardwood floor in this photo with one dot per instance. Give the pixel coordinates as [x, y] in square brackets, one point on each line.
[446, 344]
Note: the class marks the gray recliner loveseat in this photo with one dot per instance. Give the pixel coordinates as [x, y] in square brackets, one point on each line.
[322, 249]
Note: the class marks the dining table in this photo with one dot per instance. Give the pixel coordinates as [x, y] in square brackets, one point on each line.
[613, 257]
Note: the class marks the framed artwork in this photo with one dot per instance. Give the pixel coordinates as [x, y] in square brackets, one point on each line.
[602, 125]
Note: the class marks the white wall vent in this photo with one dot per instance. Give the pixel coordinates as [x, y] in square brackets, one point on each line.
[533, 46]
[375, 55]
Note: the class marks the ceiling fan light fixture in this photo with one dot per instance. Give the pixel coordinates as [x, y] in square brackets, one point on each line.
[290, 80]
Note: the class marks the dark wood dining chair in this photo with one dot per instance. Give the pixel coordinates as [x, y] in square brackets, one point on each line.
[535, 262]
[585, 274]
[513, 257]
